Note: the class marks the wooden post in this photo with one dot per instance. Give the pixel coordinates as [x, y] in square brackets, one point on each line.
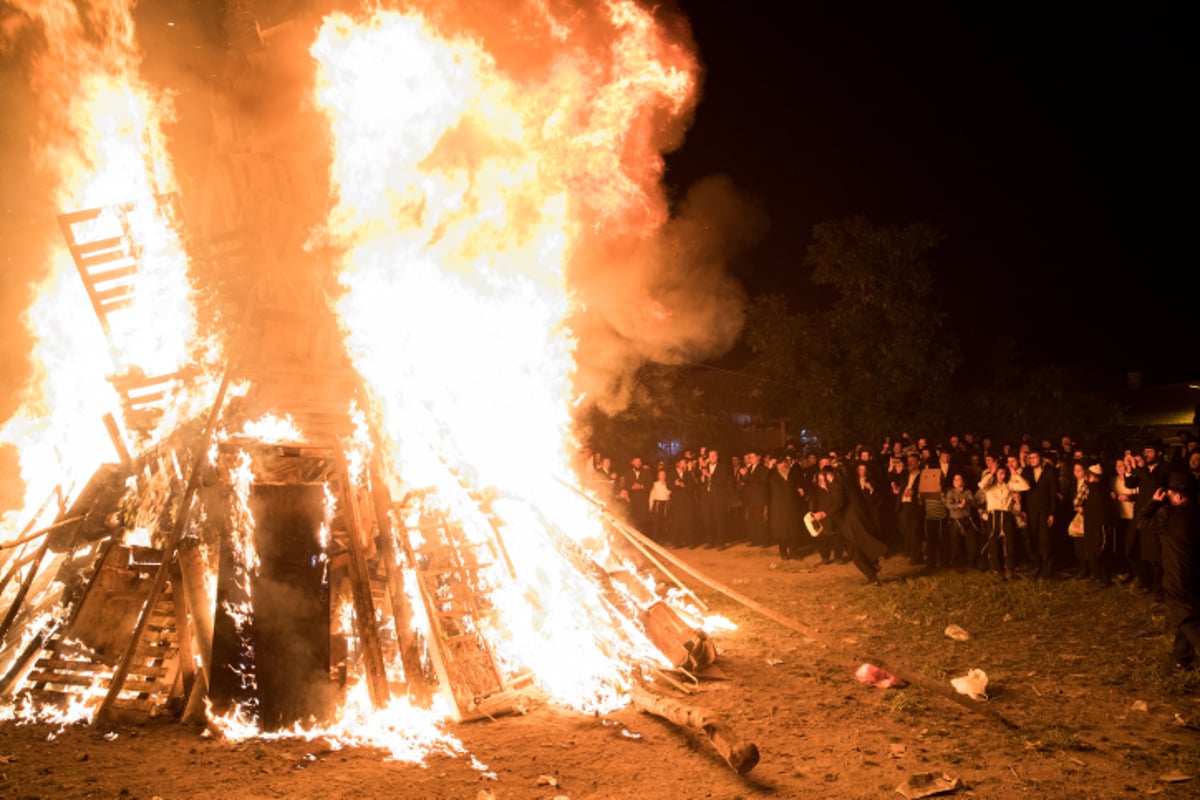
[360, 584]
[184, 634]
[195, 599]
[402, 615]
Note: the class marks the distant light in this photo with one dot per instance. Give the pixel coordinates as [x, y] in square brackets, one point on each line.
[170, 24]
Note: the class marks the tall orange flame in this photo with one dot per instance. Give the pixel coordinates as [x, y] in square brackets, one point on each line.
[100, 144]
[464, 192]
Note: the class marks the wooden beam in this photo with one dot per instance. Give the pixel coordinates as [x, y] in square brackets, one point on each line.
[360, 585]
[114, 433]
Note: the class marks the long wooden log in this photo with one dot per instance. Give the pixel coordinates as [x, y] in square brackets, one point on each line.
[18, 601]
[739, 754]
[360, 586]
[638, 540]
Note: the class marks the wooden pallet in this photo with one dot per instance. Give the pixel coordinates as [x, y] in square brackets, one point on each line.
[66, 672]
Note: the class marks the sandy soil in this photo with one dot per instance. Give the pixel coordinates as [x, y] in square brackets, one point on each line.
[820, 732]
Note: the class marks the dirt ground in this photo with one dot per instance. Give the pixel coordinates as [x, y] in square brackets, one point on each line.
[1078, 673]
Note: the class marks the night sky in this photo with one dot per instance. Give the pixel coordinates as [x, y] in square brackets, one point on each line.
[1053, 149]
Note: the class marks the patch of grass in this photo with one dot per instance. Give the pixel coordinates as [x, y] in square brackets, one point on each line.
[1155, 674]
[905, 706]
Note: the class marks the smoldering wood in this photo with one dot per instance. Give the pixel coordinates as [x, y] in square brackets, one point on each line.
[739, 754]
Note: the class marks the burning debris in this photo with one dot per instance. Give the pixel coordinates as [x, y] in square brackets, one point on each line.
[338, 503]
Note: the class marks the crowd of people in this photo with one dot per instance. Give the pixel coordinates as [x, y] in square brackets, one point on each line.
[1032, 509]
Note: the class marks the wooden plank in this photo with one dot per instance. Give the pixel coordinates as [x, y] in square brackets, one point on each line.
[67, 678]
[52, 662]
[72, 218]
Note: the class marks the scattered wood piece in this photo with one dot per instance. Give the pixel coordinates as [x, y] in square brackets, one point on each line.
[742, 756]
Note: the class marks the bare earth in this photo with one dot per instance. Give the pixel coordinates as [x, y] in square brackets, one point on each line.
[1067, 663]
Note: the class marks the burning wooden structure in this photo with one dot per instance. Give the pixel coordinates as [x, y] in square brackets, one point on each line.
[253, 550]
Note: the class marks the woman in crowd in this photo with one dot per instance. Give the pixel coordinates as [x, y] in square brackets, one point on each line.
[1122, 495]
[1000, 489]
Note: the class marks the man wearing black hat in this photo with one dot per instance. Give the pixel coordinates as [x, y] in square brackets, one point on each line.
[1171, 513]
[1143, 547]
[754, 499]
[832, 505]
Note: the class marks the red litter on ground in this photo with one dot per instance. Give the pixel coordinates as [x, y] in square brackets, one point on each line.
[873, 675]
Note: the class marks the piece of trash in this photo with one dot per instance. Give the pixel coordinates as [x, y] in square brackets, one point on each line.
[973, 684]
[1180, 720]
[1175, 776]
[547, 780]
[1139, 705]
[957, 633]
[111, 736]
[880, 679]
[628, 734]
[926, 784]
[774, 662]
[898, 750]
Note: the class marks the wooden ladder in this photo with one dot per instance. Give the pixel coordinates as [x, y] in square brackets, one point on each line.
[104, 245]
[449, 567]
[66, 672]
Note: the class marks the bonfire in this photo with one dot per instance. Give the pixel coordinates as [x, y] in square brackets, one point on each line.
[298, 454]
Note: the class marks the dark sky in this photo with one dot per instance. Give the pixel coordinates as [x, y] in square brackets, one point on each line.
[1054, 149]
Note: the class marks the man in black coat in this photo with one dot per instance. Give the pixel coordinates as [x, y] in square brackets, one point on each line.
[682, 518]
[834, 508]
[716, 496]
[635, 490]
[1143, 547]
[1171, 513]
[1041, 499]
[754, 499]
[909, 511]
[786, 505]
